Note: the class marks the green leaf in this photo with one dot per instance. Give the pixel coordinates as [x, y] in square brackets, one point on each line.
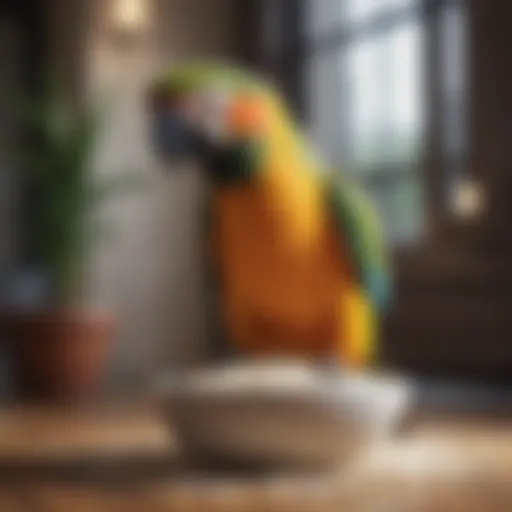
[58, 168]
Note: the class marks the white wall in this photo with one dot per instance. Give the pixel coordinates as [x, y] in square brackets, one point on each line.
[151, 271]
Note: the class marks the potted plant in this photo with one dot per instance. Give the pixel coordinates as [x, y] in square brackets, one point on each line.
[60, 348]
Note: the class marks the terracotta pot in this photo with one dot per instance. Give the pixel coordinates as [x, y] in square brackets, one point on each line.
[59, 354]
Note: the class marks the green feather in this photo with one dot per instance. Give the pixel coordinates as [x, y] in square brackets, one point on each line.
[196, 75]
[359, 227]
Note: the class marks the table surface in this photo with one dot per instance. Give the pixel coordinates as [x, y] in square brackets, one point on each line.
[124, 458]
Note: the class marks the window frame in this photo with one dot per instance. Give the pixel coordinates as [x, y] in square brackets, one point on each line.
[465, 261]
[286, 59]
[335, 42]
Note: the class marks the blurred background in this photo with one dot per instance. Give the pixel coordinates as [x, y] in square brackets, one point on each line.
[406, 95]
[409, 96]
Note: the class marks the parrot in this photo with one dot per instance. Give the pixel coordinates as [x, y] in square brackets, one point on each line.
[298, 248]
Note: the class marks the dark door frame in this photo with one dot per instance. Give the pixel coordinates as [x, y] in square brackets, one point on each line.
[30, 19]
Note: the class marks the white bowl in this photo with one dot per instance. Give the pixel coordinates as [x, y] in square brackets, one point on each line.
[281, 413]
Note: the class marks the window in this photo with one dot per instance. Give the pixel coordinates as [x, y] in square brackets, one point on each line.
[383, 77]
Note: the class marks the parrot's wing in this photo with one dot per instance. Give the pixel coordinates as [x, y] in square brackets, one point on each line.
[363, 237]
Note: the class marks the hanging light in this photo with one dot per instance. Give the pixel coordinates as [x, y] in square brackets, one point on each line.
[469, 200]
[129, 17]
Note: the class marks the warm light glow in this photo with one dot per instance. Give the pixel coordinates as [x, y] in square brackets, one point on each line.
[130, 15]
[469, 199]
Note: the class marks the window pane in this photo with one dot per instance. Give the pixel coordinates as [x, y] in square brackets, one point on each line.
[323, 16]
[454, 73]
[401, 205]
[384, 100]
[323, 93]
[357, 11]
[366, 103]
[405, 115]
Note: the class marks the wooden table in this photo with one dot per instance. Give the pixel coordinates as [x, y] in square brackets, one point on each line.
[124, 459]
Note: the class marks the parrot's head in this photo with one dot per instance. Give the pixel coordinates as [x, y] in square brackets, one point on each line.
[212, 113]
